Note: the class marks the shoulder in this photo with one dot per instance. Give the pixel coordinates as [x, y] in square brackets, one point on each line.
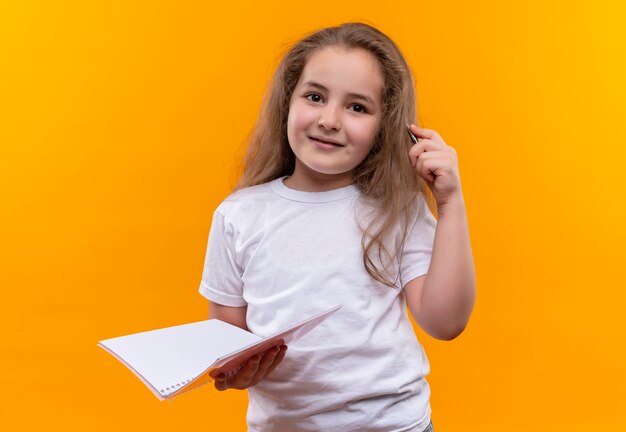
[423, 207]
[247, 200]
[423, 215]
[417, 207]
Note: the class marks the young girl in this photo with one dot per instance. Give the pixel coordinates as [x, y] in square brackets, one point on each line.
[332, 208]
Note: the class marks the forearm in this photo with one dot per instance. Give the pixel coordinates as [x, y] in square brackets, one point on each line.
[449, 288]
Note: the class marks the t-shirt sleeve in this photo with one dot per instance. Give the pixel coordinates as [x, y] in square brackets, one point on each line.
[418, 247]
[221, 278]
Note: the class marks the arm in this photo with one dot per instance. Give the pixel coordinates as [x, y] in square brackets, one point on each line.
[231, 315]
[441, 301]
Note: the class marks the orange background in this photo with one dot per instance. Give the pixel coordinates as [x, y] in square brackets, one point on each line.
[119, 125]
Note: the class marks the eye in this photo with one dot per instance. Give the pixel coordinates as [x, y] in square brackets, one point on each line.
[314, 97]
[358, 108]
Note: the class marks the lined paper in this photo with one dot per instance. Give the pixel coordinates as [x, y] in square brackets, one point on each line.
[171, 357]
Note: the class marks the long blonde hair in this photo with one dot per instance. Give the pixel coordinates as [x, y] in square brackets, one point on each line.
[385, 178]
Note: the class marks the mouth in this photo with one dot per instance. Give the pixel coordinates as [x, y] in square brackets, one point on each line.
[326, 141]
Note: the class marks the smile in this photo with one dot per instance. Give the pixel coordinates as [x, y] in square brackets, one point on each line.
[326, 142]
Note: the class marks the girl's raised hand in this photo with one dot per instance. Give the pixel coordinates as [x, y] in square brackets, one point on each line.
[436, 162]
[254, 370]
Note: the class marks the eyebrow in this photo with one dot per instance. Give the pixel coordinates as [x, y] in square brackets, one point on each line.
[352, 95]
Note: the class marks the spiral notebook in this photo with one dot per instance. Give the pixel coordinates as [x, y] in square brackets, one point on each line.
[173, 360]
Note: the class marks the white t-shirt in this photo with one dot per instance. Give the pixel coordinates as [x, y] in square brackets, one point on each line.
[286, 255]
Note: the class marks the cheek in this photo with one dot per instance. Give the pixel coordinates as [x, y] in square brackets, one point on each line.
[291, 126]
[297, 119]
[364, 135]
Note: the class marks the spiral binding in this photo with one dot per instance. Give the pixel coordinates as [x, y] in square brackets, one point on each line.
[173, 388]
[169, 390]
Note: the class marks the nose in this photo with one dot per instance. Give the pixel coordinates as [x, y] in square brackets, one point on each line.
[330, 118]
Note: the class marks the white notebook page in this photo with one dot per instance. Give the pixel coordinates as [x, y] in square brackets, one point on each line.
[171, 357]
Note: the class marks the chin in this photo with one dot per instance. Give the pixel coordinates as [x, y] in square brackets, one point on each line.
[326, 170]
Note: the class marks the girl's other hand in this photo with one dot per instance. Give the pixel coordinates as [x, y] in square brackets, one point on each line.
[436, 162]
[254, 370]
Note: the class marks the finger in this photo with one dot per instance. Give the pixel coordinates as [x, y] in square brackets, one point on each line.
[412, 136]
[242, 378]
[425, 145]
[417, 150]
[216, 372]
[447, 156]
[430, 168]
[426, 174]
[266, 362]
[220, 382]
[426, 133]
[277, 359]
[268, 359]
[444, 156]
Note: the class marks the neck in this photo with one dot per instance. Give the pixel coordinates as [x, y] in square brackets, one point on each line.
[306, 180]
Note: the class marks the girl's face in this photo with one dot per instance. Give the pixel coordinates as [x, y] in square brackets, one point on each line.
[334, 116]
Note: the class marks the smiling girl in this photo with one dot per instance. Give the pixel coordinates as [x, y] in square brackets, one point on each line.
[333, 208]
